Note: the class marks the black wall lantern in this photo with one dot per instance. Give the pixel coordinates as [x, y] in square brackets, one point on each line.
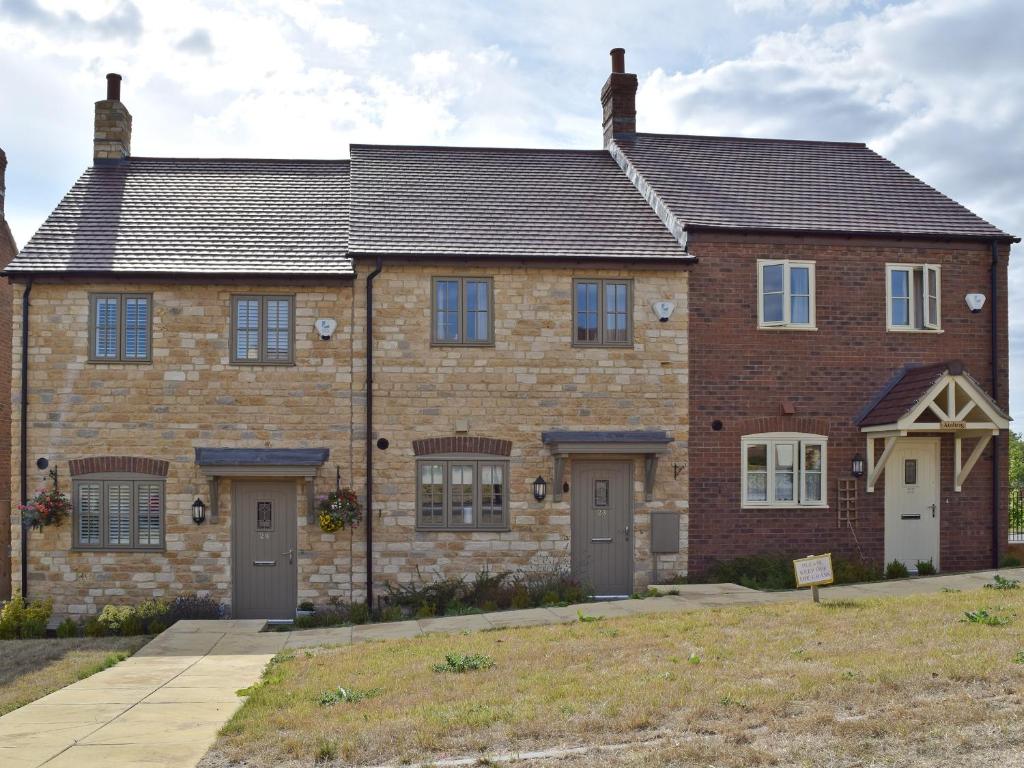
[540, 488]
[857, 465]
[198, 511]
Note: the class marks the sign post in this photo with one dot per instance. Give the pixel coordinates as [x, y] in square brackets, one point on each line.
[813, 571]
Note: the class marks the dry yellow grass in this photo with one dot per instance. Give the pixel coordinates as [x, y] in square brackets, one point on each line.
[896, 681]
[30, 669]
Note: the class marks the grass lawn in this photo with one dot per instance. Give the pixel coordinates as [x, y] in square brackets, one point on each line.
[899, 681]
[30, 669]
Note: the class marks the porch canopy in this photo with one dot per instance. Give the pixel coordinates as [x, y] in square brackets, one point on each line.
[649, 443]
[216, 463]
[939, 398]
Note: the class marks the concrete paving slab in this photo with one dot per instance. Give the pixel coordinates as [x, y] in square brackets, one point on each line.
[308, 638]
[159, 724]
[398, 630]
[74, 694]
[190, 695]
[527, 617]
[605, 609]
[62, 713]
[135, 755]
[455, 624]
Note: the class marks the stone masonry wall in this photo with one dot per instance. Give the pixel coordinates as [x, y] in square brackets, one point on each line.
[188, 396]
[530, 381]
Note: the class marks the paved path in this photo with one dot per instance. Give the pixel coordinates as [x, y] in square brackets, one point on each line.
[164, 705]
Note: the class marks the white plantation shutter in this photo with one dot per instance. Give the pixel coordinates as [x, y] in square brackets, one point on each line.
[278, 318]
[136, 327]
[119, 514]
[149, 511]
[88, 532]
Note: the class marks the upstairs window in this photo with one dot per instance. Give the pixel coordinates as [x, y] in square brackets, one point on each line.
[462, 493]
[120, 327]
[785, 294]
[602, 313]
[118, 512]
[913, 297]
[262, 330]
[462, 311]
[783, 470]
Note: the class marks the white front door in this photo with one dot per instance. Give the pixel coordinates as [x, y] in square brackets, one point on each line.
[912, 502]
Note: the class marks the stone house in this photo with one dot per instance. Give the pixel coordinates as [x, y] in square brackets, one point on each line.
[518, 358]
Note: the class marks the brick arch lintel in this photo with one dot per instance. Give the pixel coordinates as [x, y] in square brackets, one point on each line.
[807, 425]
[462, 444]
[135, 465]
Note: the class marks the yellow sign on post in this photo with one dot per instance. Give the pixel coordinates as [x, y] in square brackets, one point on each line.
[813, 572]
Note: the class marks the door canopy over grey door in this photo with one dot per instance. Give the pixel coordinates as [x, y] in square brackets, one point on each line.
[264, 463]
[651, 443]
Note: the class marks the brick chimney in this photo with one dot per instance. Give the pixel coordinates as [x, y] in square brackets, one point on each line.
[618, 99]
[112, 138]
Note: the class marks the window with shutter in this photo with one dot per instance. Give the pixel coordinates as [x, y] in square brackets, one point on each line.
[262, 330]
[118, 512]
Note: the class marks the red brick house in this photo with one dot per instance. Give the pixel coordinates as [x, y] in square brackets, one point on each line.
[636, 361]
[826, 275]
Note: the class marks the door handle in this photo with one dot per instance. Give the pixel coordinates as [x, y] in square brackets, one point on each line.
[290, 554]
[933, 510]
[627, 533]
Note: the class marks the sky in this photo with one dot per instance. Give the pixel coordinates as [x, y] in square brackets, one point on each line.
[937, 86]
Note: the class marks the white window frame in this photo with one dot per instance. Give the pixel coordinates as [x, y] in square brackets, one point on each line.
[927, 324]
[799, 440]
[787, 297]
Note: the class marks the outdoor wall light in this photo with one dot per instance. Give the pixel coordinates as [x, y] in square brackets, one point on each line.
[198, 511]
[540, 488]
[857, 465]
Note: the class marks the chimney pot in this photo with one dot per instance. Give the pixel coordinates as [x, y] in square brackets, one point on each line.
[618, 101]
[618, 60]
[113, 87]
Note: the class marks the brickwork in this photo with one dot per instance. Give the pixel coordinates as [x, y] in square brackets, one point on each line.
[743, 376]
[7, 251]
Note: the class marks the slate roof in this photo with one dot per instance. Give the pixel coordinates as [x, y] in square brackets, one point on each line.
[198, 216]
[806, 186]
[500, 203]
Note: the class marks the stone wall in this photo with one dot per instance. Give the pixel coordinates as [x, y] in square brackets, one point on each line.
[531, 380]
[7, 251]
[189, 396]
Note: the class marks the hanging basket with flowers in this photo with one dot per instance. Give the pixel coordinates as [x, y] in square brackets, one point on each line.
[49, 507]
[338, 510]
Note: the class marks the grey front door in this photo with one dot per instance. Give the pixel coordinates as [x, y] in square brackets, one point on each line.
[263, 532]
[602, 526]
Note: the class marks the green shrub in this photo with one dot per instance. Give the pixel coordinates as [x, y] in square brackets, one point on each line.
[306, 605]
[305, 622]
[392, 613]
[67, 628]
[1009, 561]
[155, 627]
[346, 695]
[764, 572]
[982, 616]
[11, 618]
[359, 613]
[93, 627]
[925, 567]
[119, 619]
[1000, 582]
[36, 617]
[520, 598]
[191, 606]
[854, 571]
[425, 611]
[464, 662]
[896, 570]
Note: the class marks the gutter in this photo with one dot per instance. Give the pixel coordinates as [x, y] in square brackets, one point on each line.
[996, 480]
[369, 431]
[24, 434]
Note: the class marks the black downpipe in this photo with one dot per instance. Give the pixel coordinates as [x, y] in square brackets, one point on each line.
[24, 434]
[369, 431]
[996, 484]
